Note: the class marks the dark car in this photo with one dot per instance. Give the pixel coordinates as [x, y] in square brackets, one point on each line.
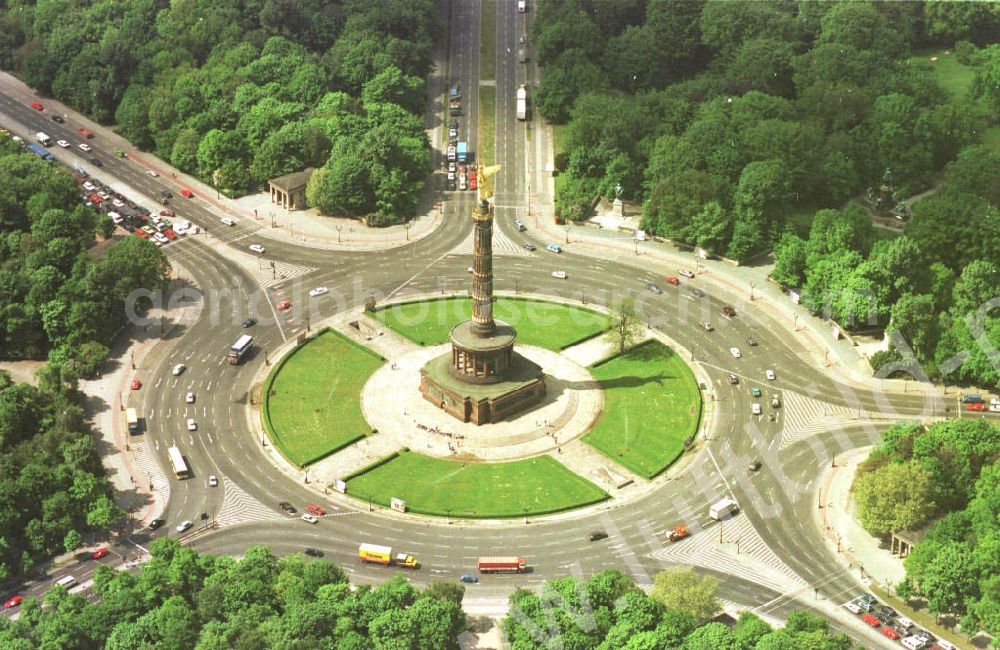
[733, 379]
[598, 535]
[287, 507]
[729, 311]
[469, 578]
[250, 322]
[313, 552]
[156, 523]
[655, 289]
[59, 119]
[698, 292]
[96, 162]
[751, 341]
[166, 194]
[754, 466]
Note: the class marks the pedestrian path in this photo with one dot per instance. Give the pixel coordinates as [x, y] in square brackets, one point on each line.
[150, 469]
[805, 417]
[238, 507]
[502, 245]
[741, 553]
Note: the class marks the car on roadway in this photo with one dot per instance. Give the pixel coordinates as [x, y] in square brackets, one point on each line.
[179, 368]
[555, 248]
[686, 273]
[96, 162]
[229, 221]
[99, 553]
[257, 248]
[213, 481]
[318, 291]
[13, 601]
[995, 407]
[520, 225]
[160, 237]
[170, 234]
[59, 119]
[313, 552]
[166, 213]
[528, 246]
[473, 182]
[287, 507]
[696, 291]
[150, 172]
[755, 408]
[453, 132]
[769, 374]
[87, 133]
[156, 523]
[469, 578]
[85, 147]
[189, 398]
[751, 341]
[136, 384]
[735, 352]
[192, 425]
[655, 289]
[733, 379]
[975, 406]
[559, 275]
[284, 305]
[755, 391]
[311, 519]
[250, 322]
[728, 312]
[149, 230]
[597, 536]
[754, 466]
[63, 144]
[184, 525]
[37, 106]
[315, 509]
[118, 203]
[705, 325]
[186, 193]
[674, 281]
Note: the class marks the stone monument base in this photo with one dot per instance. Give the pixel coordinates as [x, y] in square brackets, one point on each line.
[523, 387]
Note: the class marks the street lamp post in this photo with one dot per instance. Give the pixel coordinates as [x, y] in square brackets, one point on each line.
[407, 226]
[339, 228]
[753, 285]
[567, 231]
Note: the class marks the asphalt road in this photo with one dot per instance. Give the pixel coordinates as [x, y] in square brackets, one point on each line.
[778, 501]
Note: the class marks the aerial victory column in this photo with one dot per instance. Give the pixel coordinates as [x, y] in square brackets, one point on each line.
[483, 379]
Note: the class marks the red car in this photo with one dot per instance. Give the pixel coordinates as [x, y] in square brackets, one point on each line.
[891, 632]
[473, 183]
[186, 193]
[84, 132]
[99, 553]
[316, 510]
[871, 620]
[136, 384]
[96, 200]
[284, 304]
[37, 106]
[674, 281]
[976, 406]
[166, 213]
[14, 601]
[143, 234]
[169, 234]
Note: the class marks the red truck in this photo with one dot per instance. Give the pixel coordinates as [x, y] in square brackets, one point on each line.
[502, 565]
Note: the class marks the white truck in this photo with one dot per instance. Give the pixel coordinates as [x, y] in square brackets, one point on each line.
[723, 509]
[43, 139]
[522, 103]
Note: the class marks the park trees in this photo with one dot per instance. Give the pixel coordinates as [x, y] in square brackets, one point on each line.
[688, 592]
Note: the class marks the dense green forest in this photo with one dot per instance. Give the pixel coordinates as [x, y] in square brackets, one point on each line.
[53, 489]
[239, 91]
[181, 600]
[946, 475]
[55, 297]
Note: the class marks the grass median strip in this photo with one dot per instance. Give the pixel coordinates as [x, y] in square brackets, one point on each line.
[545, 324]
[435, 486]
[312, 406]
[488, 40]
[651, 406]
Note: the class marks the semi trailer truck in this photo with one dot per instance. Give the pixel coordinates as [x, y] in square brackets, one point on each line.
[502, 565]
[522, 103]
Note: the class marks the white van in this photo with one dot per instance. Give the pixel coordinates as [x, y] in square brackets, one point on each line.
[115, 217]
[66, 582]
[913, 643]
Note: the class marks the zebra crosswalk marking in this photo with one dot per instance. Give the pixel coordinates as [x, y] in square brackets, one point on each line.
[502, 245]
[755, 562]
[805, 417]
[239, 507]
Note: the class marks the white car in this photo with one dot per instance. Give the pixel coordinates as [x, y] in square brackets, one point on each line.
[755, 408]
[686, 273]
[229, 221]
[189, 398]
[257, 248]
[63, 144]
[469, 270]
[318, 291]
[852, 607]
[150, 172]
[118, 203]
[769, 374]
[179, 368]
[87, 185]
[312, 519]
[705, 325]
[160, 237]
[904, 623]
[735, 352]
[85, 147]
[212, 481]
[994, 407]
[184, 525]
[192, 425]
[560, 275]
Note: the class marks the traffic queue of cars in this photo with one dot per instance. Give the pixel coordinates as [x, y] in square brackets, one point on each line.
[160, 229]
[898, 628]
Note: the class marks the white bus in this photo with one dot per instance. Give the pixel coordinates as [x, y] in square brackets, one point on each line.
[240, 349]
[177, 462]
[132, 420]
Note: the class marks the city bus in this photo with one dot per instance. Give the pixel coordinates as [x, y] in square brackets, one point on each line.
[240, 349]
[177, 462]
[132, 420]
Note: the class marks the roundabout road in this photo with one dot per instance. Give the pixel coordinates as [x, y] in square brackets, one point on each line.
[770, 557]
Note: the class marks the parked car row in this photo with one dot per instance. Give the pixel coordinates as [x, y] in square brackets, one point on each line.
[892, 625]
[158, 228]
